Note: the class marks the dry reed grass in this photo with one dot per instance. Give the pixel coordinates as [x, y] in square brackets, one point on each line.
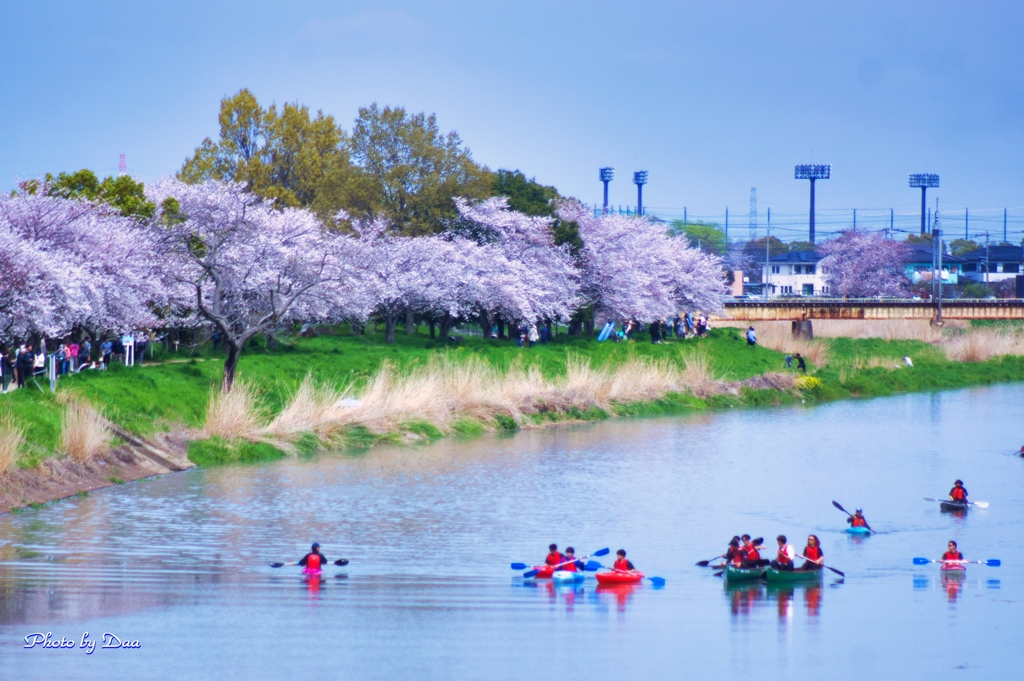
[778, 336]
[12, 438]
[84, 432]
[979, 345]
[234, 414]
[443, 391]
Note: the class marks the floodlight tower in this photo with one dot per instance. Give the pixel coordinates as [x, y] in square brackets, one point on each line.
[607, 175]
[122, 166]
[812, 172]
[923, 180]
[640, 179]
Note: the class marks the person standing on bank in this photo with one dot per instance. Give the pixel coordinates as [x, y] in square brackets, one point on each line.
[751, 336]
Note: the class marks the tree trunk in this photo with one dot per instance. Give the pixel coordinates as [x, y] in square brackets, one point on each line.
[410, 324]
[231, 362]
[485, 324]
[551, 331]
[446, 326]
[501, 328]
[574, 327]
[433, 329]
[390, 321]
[588, 327]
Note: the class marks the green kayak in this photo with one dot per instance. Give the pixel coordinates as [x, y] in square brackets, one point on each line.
[735, 574]
[793, 576]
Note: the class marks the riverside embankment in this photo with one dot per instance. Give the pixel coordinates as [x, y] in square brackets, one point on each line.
[342, 390]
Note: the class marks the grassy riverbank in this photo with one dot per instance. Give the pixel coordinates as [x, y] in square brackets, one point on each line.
[345, 390]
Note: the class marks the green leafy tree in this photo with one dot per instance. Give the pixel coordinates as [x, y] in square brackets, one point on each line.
[405, 169]
[123, 193]
[707, 236]
[919, 238]
[960, 247]
[283, 156]
[801, 246]
[755, 248]
[524, 195]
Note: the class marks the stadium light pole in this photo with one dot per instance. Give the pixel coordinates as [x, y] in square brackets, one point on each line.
[923, 180]
[640, 179]
[812, 172]
[607, 175]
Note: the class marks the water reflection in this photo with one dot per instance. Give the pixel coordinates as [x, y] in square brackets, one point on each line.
[743, 596]
[620, 592]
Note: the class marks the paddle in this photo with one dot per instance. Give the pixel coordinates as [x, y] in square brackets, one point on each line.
[979, 504]
[599, 552]
[837, 505]
[656, 581]
[705, 563]
[341, 562]
[838, 572]
[991, 562]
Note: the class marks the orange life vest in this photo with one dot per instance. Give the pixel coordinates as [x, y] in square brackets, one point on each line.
[783, 558]
[952, 556]
[858, 521]
[958, 494]
[752, 552]
[813, 552]
[313, 561]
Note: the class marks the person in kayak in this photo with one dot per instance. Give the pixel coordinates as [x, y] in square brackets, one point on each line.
[958, 493]
[784, 559]
[554, 557]
[621, 563]
[314, 560]
[857, 519]
[751, 556]
[734, 555]
[952, 556]
[814, 557]
[571, 562]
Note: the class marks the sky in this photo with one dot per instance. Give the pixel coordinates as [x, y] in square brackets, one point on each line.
[711, 99]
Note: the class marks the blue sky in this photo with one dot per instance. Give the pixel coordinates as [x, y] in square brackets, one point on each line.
[711, 98]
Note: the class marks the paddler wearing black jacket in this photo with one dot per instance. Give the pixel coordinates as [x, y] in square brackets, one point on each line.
[318, 560]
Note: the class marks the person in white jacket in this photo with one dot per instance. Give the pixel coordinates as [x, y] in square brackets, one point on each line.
[787, 555]
[534, 335]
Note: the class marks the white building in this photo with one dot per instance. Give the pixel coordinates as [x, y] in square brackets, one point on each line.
[794, 274]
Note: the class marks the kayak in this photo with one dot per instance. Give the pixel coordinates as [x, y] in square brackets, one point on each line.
[953, 506]
[953, 568]
[792, 576]
[858, 530]
[312, 572]
[735, 574]
[543, 571]
[567, 577]
[619, 577]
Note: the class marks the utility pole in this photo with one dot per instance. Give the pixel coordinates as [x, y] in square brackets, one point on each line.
[1004, 226]
[986, 259]
[855, 219]
[967, 221]
[767, 255]
[937, 238]
[891, 218]
[727, 225]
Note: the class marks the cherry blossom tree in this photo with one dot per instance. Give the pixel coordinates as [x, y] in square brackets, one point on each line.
[542, 281]
[245, 267]
[862, 264]
[633, 268]
[72, 263]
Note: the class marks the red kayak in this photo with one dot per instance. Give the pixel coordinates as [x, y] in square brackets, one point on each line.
[543, 571]
[619, 577]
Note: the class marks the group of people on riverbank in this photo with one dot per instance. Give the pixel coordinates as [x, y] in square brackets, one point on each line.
[20, 363]
[681, 326]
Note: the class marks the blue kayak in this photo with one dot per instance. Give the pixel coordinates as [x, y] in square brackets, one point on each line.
[857, 530]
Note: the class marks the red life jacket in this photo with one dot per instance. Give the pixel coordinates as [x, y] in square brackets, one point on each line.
[554, 558]
[952, 555]
[752, 552]
[782, 558]
[958, 494]
[858, 521]
[813, 552]
[569, 567]
[623, 564]
[734, 556]
[313, 561]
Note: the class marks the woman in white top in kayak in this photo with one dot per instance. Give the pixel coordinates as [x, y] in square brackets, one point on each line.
[786, 556]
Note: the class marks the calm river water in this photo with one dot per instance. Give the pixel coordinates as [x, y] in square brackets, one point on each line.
[179, 563]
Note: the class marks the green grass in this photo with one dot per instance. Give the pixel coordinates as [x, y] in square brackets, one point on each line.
[177, 387]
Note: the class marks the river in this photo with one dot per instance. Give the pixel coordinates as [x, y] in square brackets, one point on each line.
[179, 564]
